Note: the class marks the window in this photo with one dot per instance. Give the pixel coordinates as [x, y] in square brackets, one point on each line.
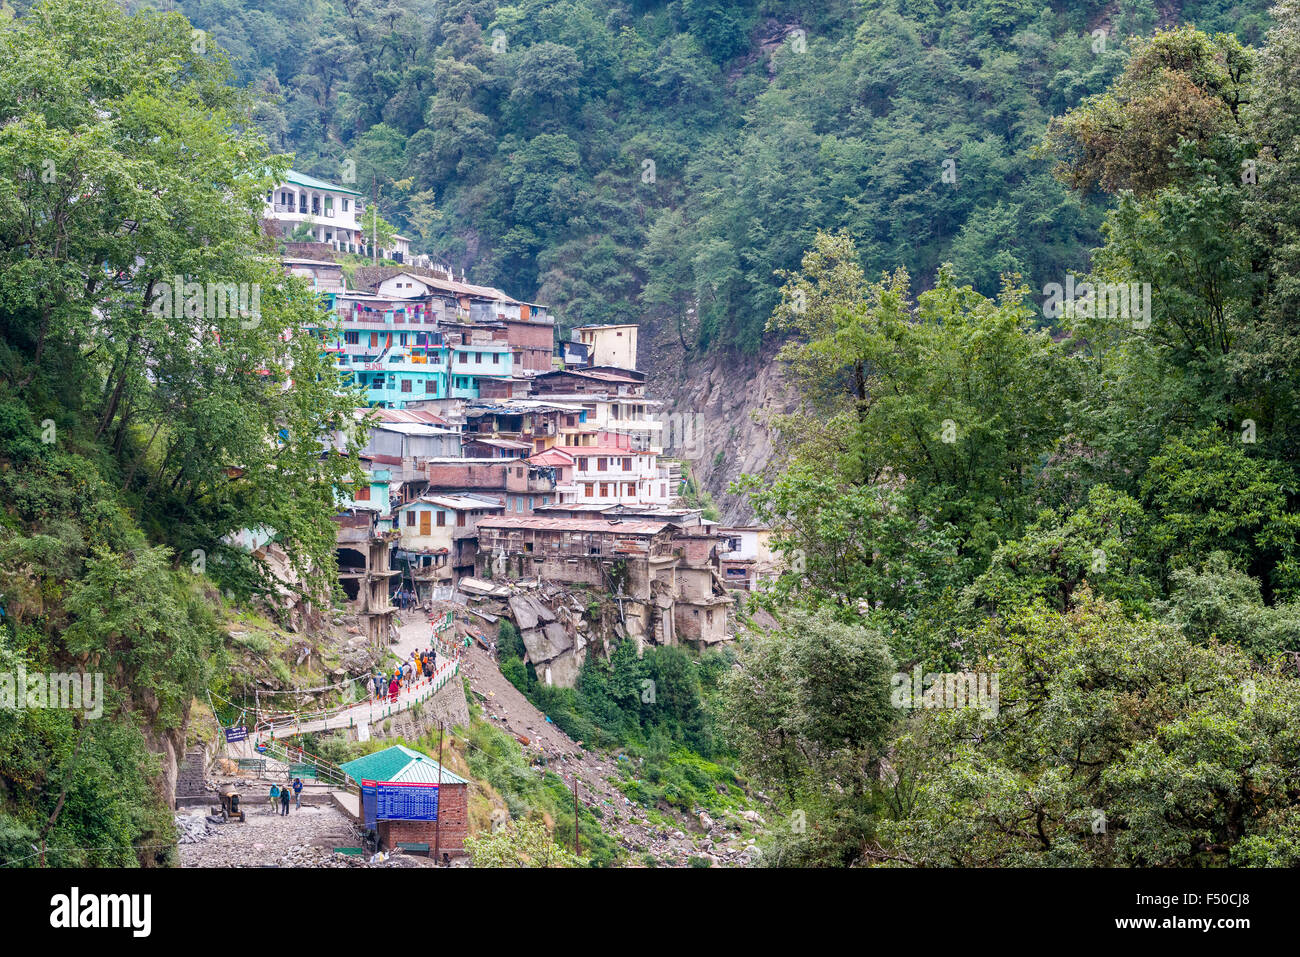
[602, 465]
[363, 493]
[604, 489]
[406, 385]
[410, 518]
[495, 358]
[442, 519]
[627, 465]
[345, 205]
[460, 519]
[352, 338]
[582, 465]
[589, 489]
[478, 358]
[430, 387]
[464, 357]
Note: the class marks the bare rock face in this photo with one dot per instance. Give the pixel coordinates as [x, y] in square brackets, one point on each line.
[723, 394]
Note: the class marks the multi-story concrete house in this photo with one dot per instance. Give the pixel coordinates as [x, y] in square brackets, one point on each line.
[611, 472]
[612, 345]
[438, 538]
[332, 213]
[404, 446]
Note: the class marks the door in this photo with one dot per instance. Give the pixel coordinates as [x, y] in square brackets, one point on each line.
[425, 523]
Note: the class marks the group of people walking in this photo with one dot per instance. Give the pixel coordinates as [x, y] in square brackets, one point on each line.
[421, 664]
[280, 795]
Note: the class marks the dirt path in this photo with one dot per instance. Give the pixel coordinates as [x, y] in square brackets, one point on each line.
[672, 845]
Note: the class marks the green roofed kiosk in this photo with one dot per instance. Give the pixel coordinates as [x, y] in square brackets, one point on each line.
[411, 801]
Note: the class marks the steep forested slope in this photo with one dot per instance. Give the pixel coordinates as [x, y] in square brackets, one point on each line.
[628, 160]
[136, 439]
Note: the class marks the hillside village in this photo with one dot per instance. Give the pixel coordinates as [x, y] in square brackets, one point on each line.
[507, 477]
[506, 472]
[670, 434]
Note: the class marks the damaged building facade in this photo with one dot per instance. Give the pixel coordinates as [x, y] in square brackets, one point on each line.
[660, 586]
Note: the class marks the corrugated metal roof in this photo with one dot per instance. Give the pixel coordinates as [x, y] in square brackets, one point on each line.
[459, 502]
[575, 525]
[413, 428]
[408, 415]
[551, 457]
[311, 182]
[400, 765]
[496, 443]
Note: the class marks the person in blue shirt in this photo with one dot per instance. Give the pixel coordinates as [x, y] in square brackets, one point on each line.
[297, 793]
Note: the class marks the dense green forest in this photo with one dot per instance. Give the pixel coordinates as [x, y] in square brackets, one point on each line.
[1100, 518]
[639, 160]
[133, 442]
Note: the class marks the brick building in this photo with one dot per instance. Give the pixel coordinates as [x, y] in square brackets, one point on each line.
[400, 766]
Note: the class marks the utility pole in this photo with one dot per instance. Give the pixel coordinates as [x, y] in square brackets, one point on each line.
[437, 818]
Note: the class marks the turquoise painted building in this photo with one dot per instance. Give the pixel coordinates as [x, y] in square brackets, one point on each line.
[374, 494]
[395, 350]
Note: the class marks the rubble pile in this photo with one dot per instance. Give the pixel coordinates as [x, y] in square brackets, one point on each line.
[720, 842]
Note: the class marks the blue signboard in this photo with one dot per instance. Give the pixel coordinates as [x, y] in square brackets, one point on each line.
[406, 802]
[236, 734]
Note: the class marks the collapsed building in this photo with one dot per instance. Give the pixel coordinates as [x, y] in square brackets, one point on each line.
[365, 573]
[660, 580]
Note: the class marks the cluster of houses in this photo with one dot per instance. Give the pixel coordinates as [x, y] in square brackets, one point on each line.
[495, 453]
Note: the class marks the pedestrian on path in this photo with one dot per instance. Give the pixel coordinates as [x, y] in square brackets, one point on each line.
[284, 801]
[392, 690]
[297, 794]
[275, 796]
